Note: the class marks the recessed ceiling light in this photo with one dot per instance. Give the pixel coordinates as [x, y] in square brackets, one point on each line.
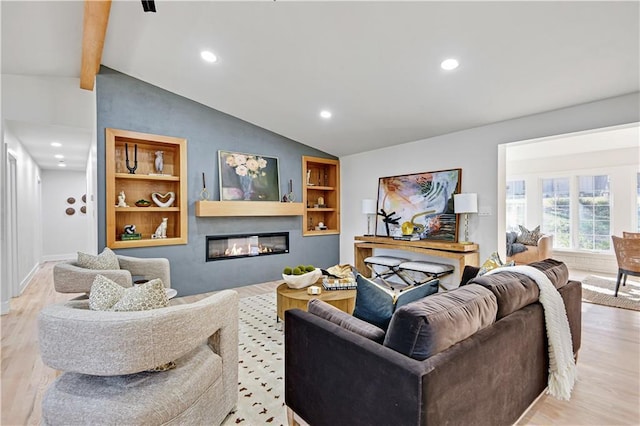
[208, 56]
[449, 64]
[62, 165]
[56, 144]
[325, 114]
[59, 156]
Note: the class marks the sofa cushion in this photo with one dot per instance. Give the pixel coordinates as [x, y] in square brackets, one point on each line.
[376, 303]
[107, 260]
[344, 320]
[555, 270]
[426, 327]
[514, 291]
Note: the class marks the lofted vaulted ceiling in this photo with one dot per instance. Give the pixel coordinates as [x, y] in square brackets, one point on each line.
[374, 65]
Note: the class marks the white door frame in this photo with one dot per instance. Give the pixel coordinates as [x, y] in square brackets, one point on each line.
[12, 225]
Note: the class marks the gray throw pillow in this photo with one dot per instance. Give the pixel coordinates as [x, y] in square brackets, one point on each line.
[107, 260]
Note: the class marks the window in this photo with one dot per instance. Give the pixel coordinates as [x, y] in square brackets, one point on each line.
[516, 204]
[594, 213]
[556, 212]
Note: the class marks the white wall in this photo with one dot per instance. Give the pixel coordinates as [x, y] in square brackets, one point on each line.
[63, 235]
[29, 228]
[476, 152]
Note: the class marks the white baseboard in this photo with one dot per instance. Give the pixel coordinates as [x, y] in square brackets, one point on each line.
[4, 307]
[27, 280]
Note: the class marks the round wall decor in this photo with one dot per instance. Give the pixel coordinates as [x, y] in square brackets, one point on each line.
[84, 198]
[83, 209]
[69, 211]
[71, 200]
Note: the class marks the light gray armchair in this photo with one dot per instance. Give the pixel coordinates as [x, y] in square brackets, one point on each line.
[68, 277]
[105, 355]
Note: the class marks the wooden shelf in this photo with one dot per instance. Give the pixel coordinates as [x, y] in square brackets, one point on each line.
[146, 209]
[146, 242]
[142, 184]
[146, 177]
[247, 208]
[321, 177]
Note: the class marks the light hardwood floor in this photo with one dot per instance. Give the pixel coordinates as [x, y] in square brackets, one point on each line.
[607, 391]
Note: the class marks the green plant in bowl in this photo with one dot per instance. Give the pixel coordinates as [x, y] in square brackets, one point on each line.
[143, 203]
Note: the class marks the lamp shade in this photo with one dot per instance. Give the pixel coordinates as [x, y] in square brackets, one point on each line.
[368, 206]
[465, 203]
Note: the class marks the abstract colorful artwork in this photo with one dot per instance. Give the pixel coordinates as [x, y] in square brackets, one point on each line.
[422, 199]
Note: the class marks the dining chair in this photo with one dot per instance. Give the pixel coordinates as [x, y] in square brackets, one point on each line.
[628, 257]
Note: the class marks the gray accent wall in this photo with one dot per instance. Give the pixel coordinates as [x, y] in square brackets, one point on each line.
[124, 102]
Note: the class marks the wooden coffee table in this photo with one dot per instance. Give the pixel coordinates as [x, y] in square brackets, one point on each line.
[290, 298]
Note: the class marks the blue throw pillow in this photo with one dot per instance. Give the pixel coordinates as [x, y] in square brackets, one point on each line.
[376, 304]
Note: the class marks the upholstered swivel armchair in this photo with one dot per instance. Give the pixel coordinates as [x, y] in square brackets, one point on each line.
[542, 251]
[68, 277]
[105, 355]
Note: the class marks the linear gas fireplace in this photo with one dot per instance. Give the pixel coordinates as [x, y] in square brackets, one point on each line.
[221, 247]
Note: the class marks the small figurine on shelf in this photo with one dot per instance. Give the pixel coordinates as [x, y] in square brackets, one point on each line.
[159, 162]
[129, 229]
[161, 230]
[121, 198]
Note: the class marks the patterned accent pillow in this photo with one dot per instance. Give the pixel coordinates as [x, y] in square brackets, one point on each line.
[493, 262]
[107, 260]
[143, 297]
[107, 295]
[104, 293]
[529, 238]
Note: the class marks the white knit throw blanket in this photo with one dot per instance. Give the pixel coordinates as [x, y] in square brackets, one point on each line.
[562, 367]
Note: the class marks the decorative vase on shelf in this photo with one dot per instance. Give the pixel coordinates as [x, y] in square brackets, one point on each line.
[246, 184]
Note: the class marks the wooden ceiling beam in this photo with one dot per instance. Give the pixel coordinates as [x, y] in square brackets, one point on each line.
[96, 19]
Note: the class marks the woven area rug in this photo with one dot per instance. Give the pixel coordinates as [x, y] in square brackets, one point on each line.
[600, 290]
[261, 364]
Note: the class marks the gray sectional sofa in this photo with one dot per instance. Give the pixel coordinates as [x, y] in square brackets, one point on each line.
[475, 355]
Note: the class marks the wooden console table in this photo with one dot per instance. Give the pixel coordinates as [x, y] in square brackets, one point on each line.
[465, 254]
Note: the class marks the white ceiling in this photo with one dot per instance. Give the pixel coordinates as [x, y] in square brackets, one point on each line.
[375, 65]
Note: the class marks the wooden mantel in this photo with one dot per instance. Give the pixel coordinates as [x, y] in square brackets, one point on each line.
[247, 208]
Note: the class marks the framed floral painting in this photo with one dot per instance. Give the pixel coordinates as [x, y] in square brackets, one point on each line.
[421, 202]
[248, 177]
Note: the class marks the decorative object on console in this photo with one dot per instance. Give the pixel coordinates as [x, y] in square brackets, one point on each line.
[369, 208]
[388, 219]
[163, 200]
[161, 230]
[132, 170]
[409, 196]
[248, 177]
[465, 204]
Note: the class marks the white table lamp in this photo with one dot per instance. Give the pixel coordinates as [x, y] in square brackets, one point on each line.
[369, 208]
[465, 204]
